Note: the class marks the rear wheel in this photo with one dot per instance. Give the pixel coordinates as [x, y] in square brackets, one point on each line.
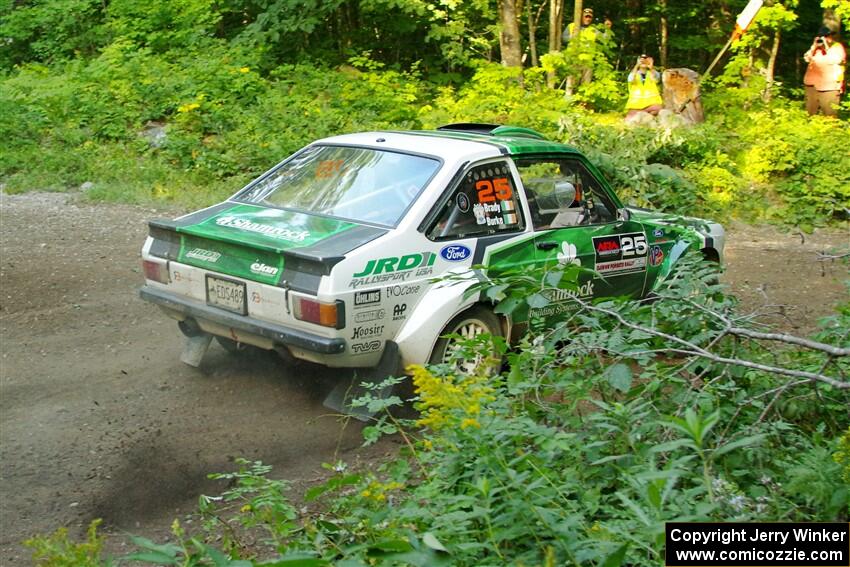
[470, 324]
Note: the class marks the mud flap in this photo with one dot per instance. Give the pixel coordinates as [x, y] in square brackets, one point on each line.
[346, 390]
[195, 349]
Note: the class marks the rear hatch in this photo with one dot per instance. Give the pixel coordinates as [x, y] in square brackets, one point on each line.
[267, 245]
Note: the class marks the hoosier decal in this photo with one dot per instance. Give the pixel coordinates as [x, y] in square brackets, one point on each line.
[620, 253]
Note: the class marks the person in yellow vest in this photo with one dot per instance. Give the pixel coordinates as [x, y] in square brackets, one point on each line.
[584, 37]
[644, 92]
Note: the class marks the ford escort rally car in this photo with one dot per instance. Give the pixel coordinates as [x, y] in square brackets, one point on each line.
[334, 255]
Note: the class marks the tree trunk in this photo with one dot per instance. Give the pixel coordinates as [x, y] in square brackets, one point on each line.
[577, 14]
[509, 38]
[571, 81]
[771, 66]
[532, 31]
[662, 54]
[556, 25]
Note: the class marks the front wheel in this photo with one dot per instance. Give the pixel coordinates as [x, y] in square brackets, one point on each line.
[470, 324]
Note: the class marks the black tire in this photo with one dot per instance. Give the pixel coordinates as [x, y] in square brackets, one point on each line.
[472, 322]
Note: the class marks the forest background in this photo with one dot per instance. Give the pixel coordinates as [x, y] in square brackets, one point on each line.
[188, 99]
[680, 409]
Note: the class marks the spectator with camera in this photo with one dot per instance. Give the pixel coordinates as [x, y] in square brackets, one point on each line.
[824, 79]
[644, 94]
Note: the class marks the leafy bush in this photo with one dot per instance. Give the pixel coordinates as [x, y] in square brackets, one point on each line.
[226, 115]
[604, 427]
[57, 550]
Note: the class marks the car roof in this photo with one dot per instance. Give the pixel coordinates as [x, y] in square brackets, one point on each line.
[458, 140]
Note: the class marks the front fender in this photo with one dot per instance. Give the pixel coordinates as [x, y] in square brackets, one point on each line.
[416, 339]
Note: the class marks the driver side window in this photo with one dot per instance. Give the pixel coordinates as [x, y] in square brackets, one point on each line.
[562, 193]
[484, 203]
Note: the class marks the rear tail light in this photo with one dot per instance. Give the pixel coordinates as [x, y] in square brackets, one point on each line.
[156, 271]
[325, 314]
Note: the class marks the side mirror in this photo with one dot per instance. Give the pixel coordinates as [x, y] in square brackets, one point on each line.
[624, 215]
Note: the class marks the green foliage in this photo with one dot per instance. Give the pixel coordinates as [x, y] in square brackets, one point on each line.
[57, 550]
[603, 428]
[48, 30]
[162, 25]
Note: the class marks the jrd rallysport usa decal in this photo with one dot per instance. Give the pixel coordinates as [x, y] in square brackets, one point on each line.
[620, 254]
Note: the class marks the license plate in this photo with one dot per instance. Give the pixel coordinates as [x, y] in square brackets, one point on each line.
[226, 294]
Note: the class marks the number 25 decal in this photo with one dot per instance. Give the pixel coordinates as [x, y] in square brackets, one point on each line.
[634, 246]
[497, 189]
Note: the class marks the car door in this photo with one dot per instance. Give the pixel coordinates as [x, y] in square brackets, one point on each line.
[576, 223]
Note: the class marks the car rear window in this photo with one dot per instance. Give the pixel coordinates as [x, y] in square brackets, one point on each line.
[359, 184]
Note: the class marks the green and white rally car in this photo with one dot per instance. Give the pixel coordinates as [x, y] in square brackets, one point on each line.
[331, 256]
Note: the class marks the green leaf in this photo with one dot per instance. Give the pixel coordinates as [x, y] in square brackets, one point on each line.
[553, 278]
[615, 559]
[332, 484]
[608, 459]
[744, 442]
[152, 557]
[507, 306]
[671, 446]
[169, 549]
[390, 545]
[639, 512]
[295, 560]
[496, 292]
[619, 377]
[431, 541]
[537, 301]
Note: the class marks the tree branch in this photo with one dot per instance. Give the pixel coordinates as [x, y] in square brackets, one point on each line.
[690, 349]
[791, 339]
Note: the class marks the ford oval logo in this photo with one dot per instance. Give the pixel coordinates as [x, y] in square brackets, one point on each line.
[455, 252]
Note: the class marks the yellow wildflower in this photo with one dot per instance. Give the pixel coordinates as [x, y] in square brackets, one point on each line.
[188, 107]
[244, 69]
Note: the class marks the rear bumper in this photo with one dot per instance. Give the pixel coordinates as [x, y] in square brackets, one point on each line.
[276, 333]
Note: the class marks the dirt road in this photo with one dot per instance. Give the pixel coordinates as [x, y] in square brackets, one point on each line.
[99, 418]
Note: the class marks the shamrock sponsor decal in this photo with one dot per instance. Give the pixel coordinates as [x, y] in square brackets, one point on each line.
[568, 255]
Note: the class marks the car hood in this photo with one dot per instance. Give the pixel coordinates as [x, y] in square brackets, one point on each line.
[702, 226]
